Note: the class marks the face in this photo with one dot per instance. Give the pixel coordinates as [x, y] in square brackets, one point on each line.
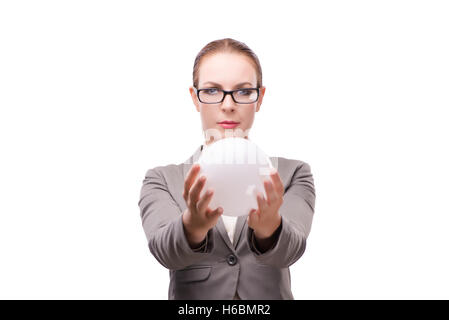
[227, 71]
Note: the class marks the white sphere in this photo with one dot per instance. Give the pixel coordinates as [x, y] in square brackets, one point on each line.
[235, 169]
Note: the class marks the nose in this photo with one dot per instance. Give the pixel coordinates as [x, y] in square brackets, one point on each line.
[228, 103]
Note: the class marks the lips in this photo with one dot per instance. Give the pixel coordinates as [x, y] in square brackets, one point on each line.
[228, 122]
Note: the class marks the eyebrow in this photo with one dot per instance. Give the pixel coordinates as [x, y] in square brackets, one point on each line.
[219, 85]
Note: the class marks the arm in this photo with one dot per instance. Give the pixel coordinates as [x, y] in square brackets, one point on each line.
[163, 225]
[296, 213]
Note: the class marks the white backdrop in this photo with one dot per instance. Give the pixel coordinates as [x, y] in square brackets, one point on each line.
[94, 93]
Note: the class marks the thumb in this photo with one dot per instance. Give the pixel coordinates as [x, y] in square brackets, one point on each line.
[215, 214]
[253, 217]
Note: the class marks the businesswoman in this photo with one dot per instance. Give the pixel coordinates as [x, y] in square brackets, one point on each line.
[210, 255]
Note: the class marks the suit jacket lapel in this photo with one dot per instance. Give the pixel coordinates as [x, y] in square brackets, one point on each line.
[241, 222]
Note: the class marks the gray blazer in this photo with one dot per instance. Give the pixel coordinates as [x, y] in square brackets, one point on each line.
[219, 269]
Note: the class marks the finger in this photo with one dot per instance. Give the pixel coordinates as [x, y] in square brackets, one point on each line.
[253, 218]
[204, 201]
[195, 190]
[261, 202]
[277, 182]
[272, 196]
[191, 176]
[214, 214]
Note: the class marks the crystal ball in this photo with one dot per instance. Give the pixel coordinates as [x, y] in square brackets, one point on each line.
[235, 169]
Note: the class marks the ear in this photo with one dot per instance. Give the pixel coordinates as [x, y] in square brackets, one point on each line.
[194, 98]
[261, 94]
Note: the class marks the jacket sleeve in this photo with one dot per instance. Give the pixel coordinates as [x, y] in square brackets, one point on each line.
[296, 220]
[162, 222]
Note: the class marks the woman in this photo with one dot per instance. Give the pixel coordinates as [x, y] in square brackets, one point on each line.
[211, 256]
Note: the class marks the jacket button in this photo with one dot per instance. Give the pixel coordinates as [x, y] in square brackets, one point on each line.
[232, 259]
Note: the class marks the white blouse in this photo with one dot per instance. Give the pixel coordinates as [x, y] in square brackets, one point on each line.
[229, 223]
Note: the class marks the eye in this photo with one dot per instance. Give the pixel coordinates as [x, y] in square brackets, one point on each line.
[211, 91]
[244, 92]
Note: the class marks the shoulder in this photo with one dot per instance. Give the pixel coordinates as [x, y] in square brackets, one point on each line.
[164, 170]
[171, 174]
[295, 174]
[289, 167]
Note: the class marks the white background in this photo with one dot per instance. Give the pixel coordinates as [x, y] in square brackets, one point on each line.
[94, 93]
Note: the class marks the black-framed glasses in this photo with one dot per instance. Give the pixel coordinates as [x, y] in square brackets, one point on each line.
[216, 95]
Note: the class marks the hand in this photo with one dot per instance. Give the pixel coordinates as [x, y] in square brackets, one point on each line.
[198, 218]
[266, 219]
